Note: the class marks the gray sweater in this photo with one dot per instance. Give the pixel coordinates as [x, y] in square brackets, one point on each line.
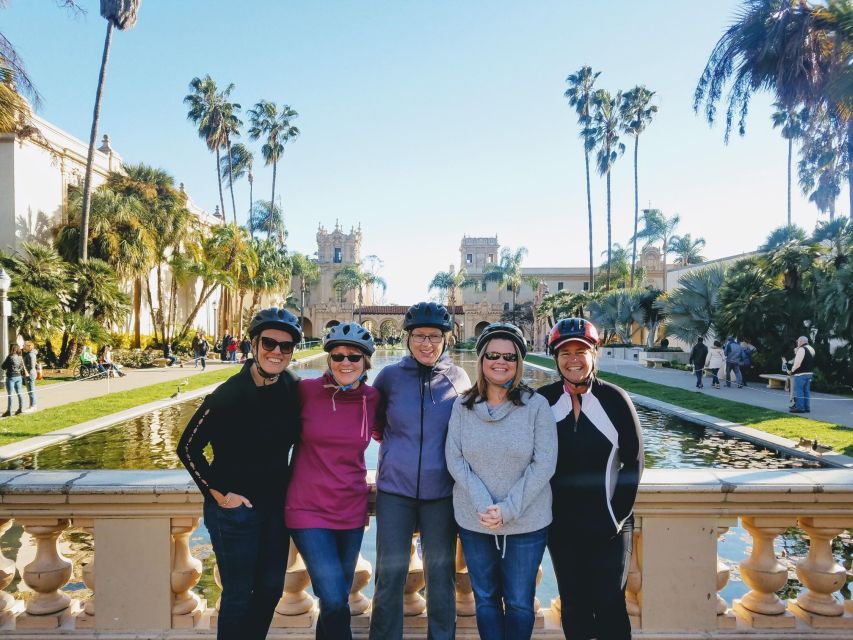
[505, 457]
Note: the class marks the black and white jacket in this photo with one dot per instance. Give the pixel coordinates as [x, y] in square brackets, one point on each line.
[599, 461]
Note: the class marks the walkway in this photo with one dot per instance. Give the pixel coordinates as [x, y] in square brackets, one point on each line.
[825, 407]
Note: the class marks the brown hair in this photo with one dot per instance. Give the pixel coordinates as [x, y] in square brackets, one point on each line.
[478, 392]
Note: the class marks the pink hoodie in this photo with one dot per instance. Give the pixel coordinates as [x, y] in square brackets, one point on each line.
[328, 486]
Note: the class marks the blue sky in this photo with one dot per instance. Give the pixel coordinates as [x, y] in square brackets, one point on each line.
[424, 121]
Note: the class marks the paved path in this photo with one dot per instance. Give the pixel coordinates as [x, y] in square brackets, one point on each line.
[826, 407]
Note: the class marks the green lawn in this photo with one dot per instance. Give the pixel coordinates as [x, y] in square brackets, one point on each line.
[34, 424]
[776, 422]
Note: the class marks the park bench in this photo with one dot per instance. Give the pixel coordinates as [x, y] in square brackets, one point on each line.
[655, 363]
[776, 380]
[160, 362]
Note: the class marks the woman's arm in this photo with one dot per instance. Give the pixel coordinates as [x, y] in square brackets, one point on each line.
[459, 468]
[631, 455]
[197, 435]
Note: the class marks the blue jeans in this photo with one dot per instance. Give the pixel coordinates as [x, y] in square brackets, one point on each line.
[715, 379]
[698, 372]
[504, 581]
[802, 392]
[31, 389]
[733, 366]
[330, 556]
[397, 518]
[251, 546]
[13, 384]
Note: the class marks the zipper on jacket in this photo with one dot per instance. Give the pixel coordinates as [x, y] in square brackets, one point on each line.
[421, 383]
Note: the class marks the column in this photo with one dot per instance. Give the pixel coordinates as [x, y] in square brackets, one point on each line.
[86, 617]
[414, 604]
[46, 575]
[634, 585]
[296, 609]
[9, 606]
[359, 604]
[187, 606]
[465, 608]
[725, 616]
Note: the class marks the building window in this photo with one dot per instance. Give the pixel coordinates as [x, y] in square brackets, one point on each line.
[484, 284]
[469, 258]
[338, 255]
[491, 257]
[559, 286]
[586, 285]
[506, 306]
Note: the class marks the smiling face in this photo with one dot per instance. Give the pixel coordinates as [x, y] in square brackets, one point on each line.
[575, 360]
[499, 372]
[421, 345]
[273, 362]
[346, 372]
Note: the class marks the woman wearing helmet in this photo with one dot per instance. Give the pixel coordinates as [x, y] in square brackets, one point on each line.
[501, 451]
[414, 487]
[251, 421]
[327, 499]
[599, 464]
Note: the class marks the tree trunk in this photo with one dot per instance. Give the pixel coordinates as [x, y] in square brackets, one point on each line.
[790, 149]
[609, 234]
[137, 312]
[151, 312]
[850, 165]
[302, 302]
[160, 314]
[589, 214]
[90, 158]
[251, 204]
[664, 252]
[636, 211]
[206, 291]
[240, 312]
[231, 180]
[272, 200]
[219, 182]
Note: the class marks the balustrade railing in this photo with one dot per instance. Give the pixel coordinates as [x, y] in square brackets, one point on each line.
[139, 526]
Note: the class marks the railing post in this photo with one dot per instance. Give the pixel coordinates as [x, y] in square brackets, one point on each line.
[725, 615]
[295, 609]
[86, 618]
[359, 604]
[9, 606]
[187, 607]
[46, 575]
[465, 607]
[414, 604]
[634, 585]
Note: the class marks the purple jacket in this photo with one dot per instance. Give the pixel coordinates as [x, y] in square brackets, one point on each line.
[413, 429]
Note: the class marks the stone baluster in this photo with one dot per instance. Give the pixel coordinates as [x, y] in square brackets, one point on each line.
[86, 618]
[764, 575]
[539, 619]
[359, 603]
[46, 575]
[465, 607]
[296, 608]
[634, 584]
[821, 575]
[413, 602]
[187, 606]
[725, 616]
[9, 606]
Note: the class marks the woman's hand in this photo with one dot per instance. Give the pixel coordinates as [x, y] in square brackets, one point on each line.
[492, 518]
[230, 500]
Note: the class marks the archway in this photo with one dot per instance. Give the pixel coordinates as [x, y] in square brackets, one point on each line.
[479, 328]
[389, 329]
[307, 328]
[370, 325]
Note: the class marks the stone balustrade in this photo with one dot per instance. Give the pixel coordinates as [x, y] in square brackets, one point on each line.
[139, 526]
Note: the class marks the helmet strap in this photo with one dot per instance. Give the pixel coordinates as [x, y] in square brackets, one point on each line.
[271, 378]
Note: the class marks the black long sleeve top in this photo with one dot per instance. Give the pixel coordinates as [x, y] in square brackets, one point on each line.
[251, 431]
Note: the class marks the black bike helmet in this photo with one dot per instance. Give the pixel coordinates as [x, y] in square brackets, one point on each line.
[427, 314]
[572, 329]
[351, 334]
[275, 318]
[502, 330]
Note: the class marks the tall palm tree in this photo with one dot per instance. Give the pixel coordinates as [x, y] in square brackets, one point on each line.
[637, 112]
[216, 117]
[579, 94]
[823, 160]
[656, 226]
[354, 278]
[606, 125]
[119, 14]
[792, 124]
[276, 129]
[235, 165]
[507, 273]
[687, 249]
[14, 110]
[308, 272]
[266, 215]
[449, 283]
[691, 308]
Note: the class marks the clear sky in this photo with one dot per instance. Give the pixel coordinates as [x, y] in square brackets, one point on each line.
[424, 121]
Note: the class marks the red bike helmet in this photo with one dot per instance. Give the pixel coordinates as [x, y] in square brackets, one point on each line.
[569, 329]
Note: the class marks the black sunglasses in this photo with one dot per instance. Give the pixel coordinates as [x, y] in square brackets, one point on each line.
[352, 357]
[269, 345]
[494, 355]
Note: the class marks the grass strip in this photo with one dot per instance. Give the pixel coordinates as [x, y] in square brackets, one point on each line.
[769, 420]
[35, 424]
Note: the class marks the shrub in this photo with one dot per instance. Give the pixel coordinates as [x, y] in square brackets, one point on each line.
[136, 358]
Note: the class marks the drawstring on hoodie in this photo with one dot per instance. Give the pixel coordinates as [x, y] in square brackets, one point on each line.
[498, 545]
[365, 426]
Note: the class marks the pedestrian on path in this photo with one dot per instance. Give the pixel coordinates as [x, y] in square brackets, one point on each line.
[698, 356]
[716, 360]
[31, 364]
[200, 349]
[733, 354]
[245, 348]
[15, 370]
[802, 371]
[746, 353]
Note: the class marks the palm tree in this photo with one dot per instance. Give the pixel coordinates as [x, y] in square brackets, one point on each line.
[579, 94]
[687, 249]
[656, 226]
[636, 112]
[605, 136]
[507, 273]
[691, 308]
[449, 283]
[823, 160]
[782, 235]
[266, 215]
[354, 278]
[217, 121]
[120, 14]
[308, 272]
[235, 165]
[275, 128]
[791, 122]
[14, 110]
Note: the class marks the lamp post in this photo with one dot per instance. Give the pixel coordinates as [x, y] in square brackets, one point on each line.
[5, 312]
[215, 324]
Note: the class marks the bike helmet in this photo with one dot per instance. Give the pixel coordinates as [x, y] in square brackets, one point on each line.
[351, 334]
[569, 329]
[275, 318]
[502, 330]
[427, 314]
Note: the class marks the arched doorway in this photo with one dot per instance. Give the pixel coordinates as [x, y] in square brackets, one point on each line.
[479, 328]
[370, 325]
[388, 329]
[307, 328]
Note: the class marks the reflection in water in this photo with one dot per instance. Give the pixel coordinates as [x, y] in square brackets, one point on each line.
[148, 442]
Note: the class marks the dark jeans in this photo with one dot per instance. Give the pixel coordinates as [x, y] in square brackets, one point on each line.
[715, 379]
[13, 385]
[251, 546]
[504, 581]
[592, 607]
[733, 366]
[330, 556]
[698, 372]
[397, 518]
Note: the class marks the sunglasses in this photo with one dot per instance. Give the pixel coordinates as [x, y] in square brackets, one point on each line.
[269, 345]
[494, 355]
[352, 357]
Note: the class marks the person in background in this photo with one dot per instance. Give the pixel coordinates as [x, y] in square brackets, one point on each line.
[200, 349]
[599, 465]
[30, 356]
[414, 488]
[802, 372]
[746, 353]
[250, 422]
[716, 360]
[245, 349]
[111, 367]
[89, 359]
[733, 352]
[327, 499]
[169, 355]
[698, 357]
[502, 451]
[15, 370]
